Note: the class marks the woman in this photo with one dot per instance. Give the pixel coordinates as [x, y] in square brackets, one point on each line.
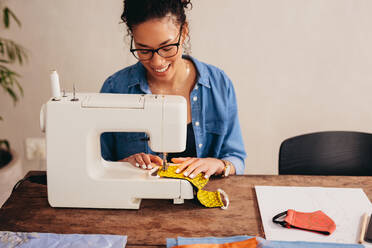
[214, 142]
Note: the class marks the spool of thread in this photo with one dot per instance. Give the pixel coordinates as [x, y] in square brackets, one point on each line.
[54, 83]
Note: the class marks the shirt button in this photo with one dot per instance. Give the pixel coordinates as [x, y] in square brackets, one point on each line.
[197, 123]
[195, 98]
[196, 87]
[200, 145]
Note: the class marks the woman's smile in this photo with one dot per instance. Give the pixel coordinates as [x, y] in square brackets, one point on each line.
[162, 70]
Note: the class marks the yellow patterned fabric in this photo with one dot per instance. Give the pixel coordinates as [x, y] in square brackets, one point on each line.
[207, 198]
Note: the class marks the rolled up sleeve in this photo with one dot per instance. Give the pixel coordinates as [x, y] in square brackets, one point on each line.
[233, 145]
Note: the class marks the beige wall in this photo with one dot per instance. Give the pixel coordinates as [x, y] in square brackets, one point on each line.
[298, 66]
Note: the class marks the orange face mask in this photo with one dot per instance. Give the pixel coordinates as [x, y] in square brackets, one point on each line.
[249, 243]
[316, 221]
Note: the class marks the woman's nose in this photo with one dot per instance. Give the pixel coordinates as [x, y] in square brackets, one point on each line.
[157, 60]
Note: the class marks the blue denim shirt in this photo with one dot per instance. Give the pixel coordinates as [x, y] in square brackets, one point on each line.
[214, 115]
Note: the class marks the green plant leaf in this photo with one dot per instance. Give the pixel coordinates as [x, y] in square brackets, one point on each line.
[20, 89]
[19, 54]
[12, 94]
[7, 13]
[13, 52]
[9, 82]
[6, 17]
[10, 51]
[15, 17]
[2, 49]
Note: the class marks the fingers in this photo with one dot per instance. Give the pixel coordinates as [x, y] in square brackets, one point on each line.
[143, 160]
[194, 168]
[191, 167]
[140, 160]
[184, 164]
[205, 166]
[130, 160]
[179, 160]
[209, 172]
[156, 159]
[146, 158]
[188, 166]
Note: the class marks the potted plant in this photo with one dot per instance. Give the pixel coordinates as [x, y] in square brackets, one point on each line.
[5, 155]
[10, 53]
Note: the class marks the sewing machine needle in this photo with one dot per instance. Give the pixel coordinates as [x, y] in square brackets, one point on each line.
[165, 164]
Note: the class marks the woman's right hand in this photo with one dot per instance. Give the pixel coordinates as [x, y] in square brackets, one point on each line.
[143, 160]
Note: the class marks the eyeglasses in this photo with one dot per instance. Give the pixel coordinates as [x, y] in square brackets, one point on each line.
[164, 51]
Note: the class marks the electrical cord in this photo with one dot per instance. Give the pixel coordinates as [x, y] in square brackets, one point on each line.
[40, 179]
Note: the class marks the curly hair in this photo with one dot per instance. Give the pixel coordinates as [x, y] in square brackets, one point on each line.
[138, 11]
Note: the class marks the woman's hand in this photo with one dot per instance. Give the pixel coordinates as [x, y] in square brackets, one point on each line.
[191, 167]
[143, 160]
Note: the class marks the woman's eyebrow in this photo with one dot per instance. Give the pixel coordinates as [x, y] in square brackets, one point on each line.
[161, 44]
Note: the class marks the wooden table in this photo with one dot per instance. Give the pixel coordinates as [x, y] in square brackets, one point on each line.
[27, 210]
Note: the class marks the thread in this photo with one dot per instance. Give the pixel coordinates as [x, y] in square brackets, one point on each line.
[54, 83]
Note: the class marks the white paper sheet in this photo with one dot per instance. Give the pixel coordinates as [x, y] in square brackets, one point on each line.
[344, 205]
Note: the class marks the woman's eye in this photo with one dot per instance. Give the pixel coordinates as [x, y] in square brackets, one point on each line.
[144, 52]
[166, 49]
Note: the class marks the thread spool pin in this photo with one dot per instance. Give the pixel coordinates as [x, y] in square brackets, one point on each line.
[74, 99]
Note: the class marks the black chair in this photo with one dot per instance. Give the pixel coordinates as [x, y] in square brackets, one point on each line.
[327, 153]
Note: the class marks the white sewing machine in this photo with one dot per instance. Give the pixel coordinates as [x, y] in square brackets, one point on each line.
[76, 173]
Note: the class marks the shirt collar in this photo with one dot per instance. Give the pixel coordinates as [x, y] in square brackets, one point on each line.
[201, 70]
[138, 75]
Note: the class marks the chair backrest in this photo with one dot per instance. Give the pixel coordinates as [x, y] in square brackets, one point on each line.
[327, 153]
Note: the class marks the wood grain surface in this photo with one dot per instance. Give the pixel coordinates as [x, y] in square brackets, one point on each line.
[28, 210]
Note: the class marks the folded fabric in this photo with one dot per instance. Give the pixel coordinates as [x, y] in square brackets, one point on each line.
[206, 198]
[171, 242]
[53, 240]
[249, 243]
[174, 242]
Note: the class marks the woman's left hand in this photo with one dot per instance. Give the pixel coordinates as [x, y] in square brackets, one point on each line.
[191, 167]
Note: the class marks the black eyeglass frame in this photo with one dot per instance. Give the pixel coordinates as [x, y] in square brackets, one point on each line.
[156, 50]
